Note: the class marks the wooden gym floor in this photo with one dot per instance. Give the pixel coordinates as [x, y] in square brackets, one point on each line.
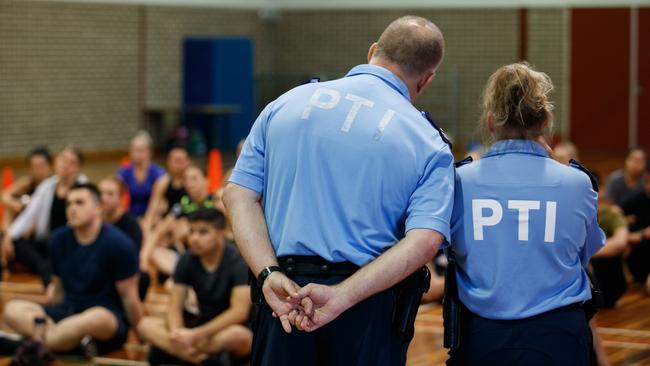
[625, 330]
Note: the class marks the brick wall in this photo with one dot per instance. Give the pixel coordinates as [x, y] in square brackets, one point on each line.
[478, 41]
[68, 74]
[548, 50]
[72, 72]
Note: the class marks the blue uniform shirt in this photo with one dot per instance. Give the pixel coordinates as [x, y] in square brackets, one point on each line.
[346, 167]
[523, 229]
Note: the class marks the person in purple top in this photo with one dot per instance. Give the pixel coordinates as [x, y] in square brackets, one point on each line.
[141, 174]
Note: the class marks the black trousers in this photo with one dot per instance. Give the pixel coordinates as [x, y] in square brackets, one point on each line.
[610, 279]
[559, 337]
[638, 261]
[34, 254]
[362, 335]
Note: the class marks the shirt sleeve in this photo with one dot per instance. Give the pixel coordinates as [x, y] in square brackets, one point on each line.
[596, 238]
[431, 203]
[183, 272]
[124, 258]
[249, 169]
[457, 214]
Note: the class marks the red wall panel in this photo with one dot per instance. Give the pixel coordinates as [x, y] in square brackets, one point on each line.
[599, 78]
[644, 78]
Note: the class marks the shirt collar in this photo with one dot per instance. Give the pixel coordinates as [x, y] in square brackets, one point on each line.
[516, 146]
[388, 77]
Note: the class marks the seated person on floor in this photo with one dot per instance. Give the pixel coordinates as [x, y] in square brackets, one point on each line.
[607, 263]
[168, 189]
[27, 237]
[218, 274]
[624, 184]
[94, 289]
[173, 229]
[637, 209]
[141, 174]
[17, 195]
[111, 189]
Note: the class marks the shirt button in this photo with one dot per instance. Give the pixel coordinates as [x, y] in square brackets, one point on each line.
[324, 268]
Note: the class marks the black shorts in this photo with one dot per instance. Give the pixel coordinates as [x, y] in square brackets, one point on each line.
[64, 310]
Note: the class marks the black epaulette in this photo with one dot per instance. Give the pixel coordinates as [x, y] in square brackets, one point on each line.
[440, 130]
[594, 181]
[465, 161]
[311, 80]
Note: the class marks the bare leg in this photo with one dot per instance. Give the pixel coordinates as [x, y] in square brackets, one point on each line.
[155, 331]
[235, 339]
[65, 335]
[19, 316]
[96, 322]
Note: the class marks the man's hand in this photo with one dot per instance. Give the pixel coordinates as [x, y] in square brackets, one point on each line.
[7, 250]
[185, 337]
[183, 342]
[320, 305]
[281, 294]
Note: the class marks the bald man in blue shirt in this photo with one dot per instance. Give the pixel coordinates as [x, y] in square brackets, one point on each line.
[342, 190]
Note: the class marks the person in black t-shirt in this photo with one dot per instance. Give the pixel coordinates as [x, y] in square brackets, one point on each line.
[637, 209]
[111, 189]
[217, 273]
[93, 292]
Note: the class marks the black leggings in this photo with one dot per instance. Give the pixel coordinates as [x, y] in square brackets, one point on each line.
[34, 254]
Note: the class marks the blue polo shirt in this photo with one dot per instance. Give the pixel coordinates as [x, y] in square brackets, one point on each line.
[346, 167]
[523, 229]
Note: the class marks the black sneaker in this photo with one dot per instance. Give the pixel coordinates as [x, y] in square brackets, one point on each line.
[9, 343]
[88, 347]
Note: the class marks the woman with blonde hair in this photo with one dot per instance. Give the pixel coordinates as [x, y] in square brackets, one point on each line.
[141, 174]
[523, 229]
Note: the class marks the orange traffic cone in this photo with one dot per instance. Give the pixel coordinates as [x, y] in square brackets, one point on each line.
[7, 180]
[215, 170]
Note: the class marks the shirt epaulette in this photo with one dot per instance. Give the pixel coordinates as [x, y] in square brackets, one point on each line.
[440, 130]
[465, 161]
[592, 178]
[311, 80]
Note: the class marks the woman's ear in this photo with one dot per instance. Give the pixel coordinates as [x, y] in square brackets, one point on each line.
[489, 122]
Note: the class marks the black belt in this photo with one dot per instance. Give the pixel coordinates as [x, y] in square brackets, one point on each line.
[301, 265]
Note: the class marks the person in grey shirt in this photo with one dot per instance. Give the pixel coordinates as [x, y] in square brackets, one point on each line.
[624, 184]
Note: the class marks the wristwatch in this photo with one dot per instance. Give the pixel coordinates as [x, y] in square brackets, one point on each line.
[265, 273]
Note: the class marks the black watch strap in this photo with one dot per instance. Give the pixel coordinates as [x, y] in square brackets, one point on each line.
[265, 273]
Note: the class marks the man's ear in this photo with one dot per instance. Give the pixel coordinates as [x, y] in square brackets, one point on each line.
[371, 51]
[424, 81]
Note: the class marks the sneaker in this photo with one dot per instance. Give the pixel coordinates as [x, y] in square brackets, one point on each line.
[88, 347]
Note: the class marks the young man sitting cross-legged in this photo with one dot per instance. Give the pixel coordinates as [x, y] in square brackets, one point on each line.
[94, 290]
[218, 275]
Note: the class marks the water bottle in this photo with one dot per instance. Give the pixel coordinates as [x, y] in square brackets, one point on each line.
[40, 327]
